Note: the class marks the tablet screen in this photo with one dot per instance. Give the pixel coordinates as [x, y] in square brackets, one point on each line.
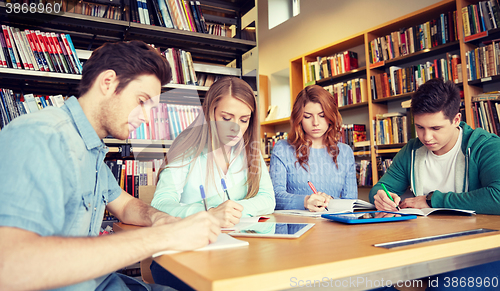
[367, 215]
[273, 229]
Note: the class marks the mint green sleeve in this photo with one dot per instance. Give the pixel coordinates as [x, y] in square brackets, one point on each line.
[264, 202]
[169, 190]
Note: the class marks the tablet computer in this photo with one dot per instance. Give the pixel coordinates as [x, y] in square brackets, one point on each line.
[274, 230]
[368, 217]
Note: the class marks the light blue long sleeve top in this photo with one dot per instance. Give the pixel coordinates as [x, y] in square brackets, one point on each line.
[178, 193]
[290, 179]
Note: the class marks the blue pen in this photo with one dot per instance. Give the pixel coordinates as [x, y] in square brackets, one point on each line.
[224, 187]
[202, 191]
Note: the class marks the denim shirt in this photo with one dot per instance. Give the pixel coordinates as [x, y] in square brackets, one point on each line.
[53, 178]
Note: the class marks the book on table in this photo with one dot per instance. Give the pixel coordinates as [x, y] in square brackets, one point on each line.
[428, 211]
[334, 206]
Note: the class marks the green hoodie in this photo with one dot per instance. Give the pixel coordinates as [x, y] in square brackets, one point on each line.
[478, 176]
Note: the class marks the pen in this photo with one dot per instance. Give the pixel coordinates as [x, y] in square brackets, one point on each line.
[314, 190]
[225, 188]
[390, 197]
[202, 191]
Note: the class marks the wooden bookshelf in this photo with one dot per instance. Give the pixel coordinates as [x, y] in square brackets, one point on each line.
[383, 105]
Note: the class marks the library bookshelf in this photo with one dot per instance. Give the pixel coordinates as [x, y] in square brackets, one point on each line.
[211, 54]
[366, 112]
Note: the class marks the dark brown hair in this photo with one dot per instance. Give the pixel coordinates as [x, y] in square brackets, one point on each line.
[297, 136]
[129, 60]
[435, 96]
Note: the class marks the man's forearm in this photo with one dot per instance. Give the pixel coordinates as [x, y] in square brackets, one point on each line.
[32, 262]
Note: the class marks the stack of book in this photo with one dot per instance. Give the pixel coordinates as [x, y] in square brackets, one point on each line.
[383, 165]
[483, 61]
[182, 66]
[325, 67]
[14, 105]
[350, 92]
[401, 80]
[268, 142]
[480, 17]
[207, 79]
[390, 128]
[99, 8]
[352, 133]
[38, 51]
[486, 111]
[364, 172]
[427, 35]
[130, 174]
[167, 122]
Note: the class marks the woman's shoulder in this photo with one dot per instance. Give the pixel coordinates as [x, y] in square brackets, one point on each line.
[283, 147]
[344, 149]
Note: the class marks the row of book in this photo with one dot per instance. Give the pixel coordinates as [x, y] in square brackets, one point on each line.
[207, 79]
[483, 62]
[427, 35]
[98, 8]
[391, 128]
[406, 80]
[268, 142]
[364, 173]
[13, 104]
[182, 66]
[38, 51]
[383, 165]
[352, 133]
[167, 122]
[130, 174]
[329, 66]
[350, 92]
[480, 17]
[486, 111]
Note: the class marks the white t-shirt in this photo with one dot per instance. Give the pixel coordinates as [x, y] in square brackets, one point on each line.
[439, 171]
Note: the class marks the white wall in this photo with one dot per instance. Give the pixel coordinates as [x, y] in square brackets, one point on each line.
[319, 23]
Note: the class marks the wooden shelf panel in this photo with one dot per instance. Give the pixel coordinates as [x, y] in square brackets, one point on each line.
[393, 98]
[353, 106]
[362, 153]
[281, 121]
[353, 74]
[114, 141]
[480, 82]
[418, 55]
[39, 75]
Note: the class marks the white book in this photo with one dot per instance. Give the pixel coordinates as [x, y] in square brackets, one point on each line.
[224, 241]
[18, 50]
[334, 206]
[145, 10]
[31, 54]
[427, 211]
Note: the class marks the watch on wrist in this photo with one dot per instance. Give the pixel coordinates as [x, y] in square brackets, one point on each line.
[428, 199]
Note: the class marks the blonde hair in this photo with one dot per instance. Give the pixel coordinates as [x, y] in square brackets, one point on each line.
[202, 135]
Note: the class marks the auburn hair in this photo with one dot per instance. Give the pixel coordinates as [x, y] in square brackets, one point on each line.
[297, 136]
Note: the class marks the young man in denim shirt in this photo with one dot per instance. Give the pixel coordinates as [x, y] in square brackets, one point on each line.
[55, 185]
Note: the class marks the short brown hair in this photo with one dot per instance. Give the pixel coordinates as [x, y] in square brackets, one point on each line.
[129, 60]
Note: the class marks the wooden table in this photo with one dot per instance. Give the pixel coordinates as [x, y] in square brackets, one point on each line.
[340, 255]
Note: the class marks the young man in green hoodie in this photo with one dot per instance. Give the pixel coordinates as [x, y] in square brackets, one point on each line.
[449, 165]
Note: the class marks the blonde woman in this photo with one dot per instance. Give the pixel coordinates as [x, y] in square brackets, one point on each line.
[222, 143]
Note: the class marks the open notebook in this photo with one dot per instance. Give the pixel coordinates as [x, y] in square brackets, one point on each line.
[334, 206]
[224, 241]
[427, 211]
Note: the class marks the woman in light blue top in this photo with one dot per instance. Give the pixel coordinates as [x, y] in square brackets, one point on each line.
[313, 153]
[222, 143]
